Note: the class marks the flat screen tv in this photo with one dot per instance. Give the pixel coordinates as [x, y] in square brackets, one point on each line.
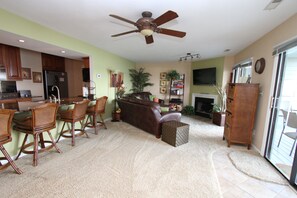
[206, 76]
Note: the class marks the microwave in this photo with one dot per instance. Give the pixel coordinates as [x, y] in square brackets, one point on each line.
[8, 86]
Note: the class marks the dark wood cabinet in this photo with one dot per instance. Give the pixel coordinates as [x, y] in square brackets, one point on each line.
[1, 55]
[53, 63]
[242, 102]
[11, 59]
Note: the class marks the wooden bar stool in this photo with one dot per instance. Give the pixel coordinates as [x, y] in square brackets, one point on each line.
[6, 116]
[97, 109]
[77, 114]
[42, 119]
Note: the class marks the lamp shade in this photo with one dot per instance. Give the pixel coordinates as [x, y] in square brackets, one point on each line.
[146, 32]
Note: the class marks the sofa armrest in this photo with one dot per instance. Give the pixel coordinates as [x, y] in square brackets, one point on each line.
[170, 116]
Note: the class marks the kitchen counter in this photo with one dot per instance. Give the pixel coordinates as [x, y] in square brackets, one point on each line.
[23, 104]
[23, 107]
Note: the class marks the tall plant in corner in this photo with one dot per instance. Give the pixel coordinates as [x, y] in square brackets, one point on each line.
[218, 116]
[222, 99]
[140, 79]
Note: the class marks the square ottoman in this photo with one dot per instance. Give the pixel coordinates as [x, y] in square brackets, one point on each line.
[175, 133]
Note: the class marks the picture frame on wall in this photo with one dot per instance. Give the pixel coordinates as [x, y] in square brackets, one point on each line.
[163, 75]
[162, 83]
[26, 73]
[37, 77]
[163, 90]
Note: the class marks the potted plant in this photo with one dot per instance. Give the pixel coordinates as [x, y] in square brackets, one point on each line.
[219, 110]
[188, 110]
[140, 79]
[173, 75]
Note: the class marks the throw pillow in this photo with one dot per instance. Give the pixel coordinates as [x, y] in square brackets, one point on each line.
[152, 97]
[164, 109]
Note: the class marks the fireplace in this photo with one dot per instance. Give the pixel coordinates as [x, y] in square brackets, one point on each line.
[203, 104]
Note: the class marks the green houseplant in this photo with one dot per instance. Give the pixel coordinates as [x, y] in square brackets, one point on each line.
[140, 79]
[173, 75]
[219, 110]
[188, 110]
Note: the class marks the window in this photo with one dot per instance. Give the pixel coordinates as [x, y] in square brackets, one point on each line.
[242, 72]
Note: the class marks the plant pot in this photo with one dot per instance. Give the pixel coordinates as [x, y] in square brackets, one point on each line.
[116, 117]
[218, 118]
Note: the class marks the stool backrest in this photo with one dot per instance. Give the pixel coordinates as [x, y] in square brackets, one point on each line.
[100, 104]
[44, 116]
[80, 109]
[6, 116]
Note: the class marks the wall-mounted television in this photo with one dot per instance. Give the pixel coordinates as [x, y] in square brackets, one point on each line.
[205, 76]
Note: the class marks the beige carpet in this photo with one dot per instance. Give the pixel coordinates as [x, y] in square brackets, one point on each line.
[122, 161]
[254, 165]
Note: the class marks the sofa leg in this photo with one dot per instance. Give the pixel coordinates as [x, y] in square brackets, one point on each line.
[158, 136]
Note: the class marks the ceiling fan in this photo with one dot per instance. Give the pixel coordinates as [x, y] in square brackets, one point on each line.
[148, 25]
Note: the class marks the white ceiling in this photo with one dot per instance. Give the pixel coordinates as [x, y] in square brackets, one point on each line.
[211, 25]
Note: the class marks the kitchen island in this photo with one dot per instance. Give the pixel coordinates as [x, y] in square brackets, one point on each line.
[23, 109]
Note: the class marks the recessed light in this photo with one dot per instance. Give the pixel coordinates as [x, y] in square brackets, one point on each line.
[21, 40]
[63, 51]
[273, 4]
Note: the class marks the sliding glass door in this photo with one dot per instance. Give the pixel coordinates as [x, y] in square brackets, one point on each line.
[281, 146]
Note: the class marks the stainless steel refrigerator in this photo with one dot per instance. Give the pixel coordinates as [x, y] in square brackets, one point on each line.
[52, 78]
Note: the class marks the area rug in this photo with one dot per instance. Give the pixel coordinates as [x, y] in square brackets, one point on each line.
[254, 165]
[122, 161]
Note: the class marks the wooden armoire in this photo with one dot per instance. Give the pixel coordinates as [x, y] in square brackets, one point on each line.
[242, 99]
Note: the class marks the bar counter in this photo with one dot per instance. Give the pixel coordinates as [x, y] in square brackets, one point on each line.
[23, 109]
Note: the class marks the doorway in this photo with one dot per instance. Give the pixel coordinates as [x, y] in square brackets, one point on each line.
[281, 144]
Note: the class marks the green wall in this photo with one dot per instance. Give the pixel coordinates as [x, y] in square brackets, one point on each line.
[208, 89]
[100, 61]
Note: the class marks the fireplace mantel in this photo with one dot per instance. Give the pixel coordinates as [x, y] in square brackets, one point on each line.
[200, 95]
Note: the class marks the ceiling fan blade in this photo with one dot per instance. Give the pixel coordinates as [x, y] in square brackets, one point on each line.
[149, 39]
[115, 35]
[171, 32]
[167, 16]
[123, 19]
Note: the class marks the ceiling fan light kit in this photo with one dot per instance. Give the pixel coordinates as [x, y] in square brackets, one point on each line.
[147, 25]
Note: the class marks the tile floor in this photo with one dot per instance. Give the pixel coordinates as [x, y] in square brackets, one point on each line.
[235, 184]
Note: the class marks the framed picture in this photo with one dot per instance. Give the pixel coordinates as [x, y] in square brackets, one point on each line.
[116, 79]
[162, 83]
[163, 90]
[26, 73]
[37, 77]
[163, 75]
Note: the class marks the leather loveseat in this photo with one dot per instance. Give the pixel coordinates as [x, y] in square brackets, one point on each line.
[145, 114]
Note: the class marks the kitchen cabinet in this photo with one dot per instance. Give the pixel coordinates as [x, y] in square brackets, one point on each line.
[53, 63]
[1, 55]
[242, 99]
[11, 59]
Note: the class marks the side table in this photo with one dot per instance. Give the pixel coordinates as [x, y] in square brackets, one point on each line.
[175, 133]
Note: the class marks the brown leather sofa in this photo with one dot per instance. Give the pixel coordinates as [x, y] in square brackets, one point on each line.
[145, 114]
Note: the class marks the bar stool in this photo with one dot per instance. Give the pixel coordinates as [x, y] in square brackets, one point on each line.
[42, 119]
[97, 109]
[77, 114]
[6, 116]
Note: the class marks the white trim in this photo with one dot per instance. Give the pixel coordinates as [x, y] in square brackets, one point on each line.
[200, 95]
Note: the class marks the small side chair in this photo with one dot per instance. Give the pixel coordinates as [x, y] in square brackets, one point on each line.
[98, 109]
[6, 116]
[42, 119]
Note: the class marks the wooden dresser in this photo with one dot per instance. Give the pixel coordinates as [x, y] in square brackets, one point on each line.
[242, 101]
